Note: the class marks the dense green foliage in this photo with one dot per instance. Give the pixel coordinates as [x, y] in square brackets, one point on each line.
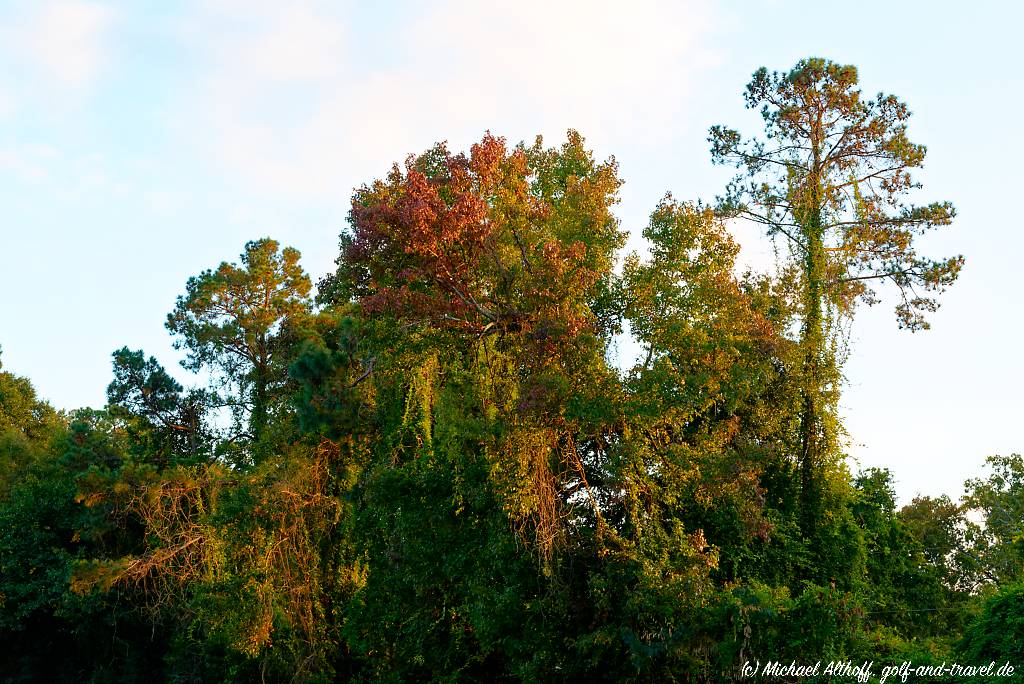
[433, 470]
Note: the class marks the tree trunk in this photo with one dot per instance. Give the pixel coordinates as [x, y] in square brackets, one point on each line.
[258, 422]
[812, 344]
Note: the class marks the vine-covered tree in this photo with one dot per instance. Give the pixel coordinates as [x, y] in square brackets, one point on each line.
[829, 180]
[502, 257]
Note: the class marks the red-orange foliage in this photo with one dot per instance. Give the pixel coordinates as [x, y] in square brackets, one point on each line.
[475, 243]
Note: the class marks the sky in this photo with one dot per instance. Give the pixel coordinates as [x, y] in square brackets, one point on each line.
[143, 142]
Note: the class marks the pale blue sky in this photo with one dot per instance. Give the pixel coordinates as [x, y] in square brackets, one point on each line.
[143, 142]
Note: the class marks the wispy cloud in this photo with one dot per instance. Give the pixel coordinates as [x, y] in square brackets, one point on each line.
[27, 162]
[68, 40]
[293, 97]
[64, 41]
[6, 101]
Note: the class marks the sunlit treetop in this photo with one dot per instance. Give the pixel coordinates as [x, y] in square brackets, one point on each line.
[832, 173]
[498, 240]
